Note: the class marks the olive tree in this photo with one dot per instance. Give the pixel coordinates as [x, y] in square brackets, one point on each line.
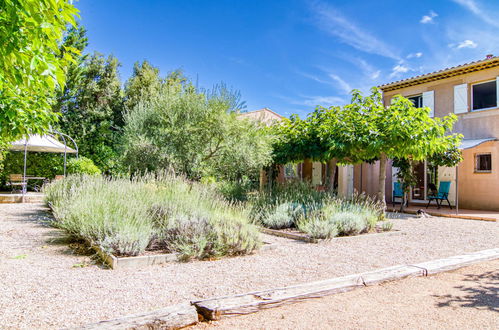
[195, 133]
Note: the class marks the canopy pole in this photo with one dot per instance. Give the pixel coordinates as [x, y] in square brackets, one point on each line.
[65, 149]
[25, 184]
[457, 190]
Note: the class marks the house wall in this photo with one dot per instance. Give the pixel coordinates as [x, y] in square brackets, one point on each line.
[473, 124]
[476, 190]
[479, 190]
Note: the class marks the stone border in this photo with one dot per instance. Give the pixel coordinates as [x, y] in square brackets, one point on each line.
[308, 239]
[185, 314]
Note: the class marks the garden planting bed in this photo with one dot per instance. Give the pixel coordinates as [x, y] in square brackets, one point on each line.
[46, 285]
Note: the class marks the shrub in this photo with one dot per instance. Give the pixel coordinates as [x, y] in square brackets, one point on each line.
[386, 226]
[279, 218]
[125, 216]
[348, 223]
[82, 165]
[236, 190]
[318, 228]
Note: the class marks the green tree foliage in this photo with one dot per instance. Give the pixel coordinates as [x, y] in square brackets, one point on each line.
[144, 84]
[366, 129]
[32, 67]
[194, 133]
[92, 110]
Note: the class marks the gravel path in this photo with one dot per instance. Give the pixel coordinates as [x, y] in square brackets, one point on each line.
[464, 299]
[41, 284]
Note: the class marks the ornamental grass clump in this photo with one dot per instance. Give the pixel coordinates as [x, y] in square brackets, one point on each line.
[126, 217]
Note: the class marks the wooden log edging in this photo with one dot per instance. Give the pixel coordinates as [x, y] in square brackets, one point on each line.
[185, 314]
[216, 308]
[172, 317]
[308, 239]
[280, 233]
[445, 215]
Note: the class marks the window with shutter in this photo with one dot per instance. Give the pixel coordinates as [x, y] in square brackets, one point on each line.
[429, 101]
[461, 98]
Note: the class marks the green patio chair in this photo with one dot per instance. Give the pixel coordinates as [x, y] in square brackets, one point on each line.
[441, 195]
[398, 192]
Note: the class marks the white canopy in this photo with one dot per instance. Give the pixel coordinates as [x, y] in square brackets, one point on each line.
[40, 143]
[471, 143]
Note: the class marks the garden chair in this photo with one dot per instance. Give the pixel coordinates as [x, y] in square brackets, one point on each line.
[440, 195]
[16, 180]
[397, 192]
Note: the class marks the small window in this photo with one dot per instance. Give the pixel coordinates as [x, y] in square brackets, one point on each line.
[483, 163]
[290, 171]
[484, 95]
[416, 100]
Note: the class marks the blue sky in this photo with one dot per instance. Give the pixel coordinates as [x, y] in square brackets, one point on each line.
[291, 55]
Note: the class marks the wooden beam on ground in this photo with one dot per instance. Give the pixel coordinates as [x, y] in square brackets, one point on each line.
[172, 317]
[214, 309]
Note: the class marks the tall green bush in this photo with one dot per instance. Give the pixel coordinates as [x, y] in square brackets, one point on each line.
[82, 165]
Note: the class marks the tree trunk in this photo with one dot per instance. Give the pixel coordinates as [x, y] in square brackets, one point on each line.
[382, 178]
[331, 168]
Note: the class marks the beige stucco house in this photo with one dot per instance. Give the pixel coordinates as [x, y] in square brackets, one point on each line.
[471, 92]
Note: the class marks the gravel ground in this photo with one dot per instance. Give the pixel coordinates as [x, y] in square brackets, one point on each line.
[464, 299]
[42, 284]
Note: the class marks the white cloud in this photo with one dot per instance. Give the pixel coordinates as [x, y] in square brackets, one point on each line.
[473, 7]
[344, 86]
[415, 55]
[375, 75]
[368, 69]
[428, 18]
[341, 27]
[399, 69]
[465, 44]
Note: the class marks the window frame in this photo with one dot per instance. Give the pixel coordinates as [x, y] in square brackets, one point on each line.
[471, 95]
[477, 155]
[416, 95]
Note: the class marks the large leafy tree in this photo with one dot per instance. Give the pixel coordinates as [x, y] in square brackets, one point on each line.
[92, 110]
[400, 130]
[32, 67]
[196, 133]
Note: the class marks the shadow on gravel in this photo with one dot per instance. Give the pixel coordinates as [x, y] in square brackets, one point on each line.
[484, 296]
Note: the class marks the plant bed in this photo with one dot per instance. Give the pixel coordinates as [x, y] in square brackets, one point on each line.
[299, 212]
[141, 219]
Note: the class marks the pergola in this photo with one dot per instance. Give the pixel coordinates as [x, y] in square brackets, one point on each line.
[44, 143]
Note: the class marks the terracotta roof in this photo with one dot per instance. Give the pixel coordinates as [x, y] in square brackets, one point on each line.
[442, 74]
[264, 115]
